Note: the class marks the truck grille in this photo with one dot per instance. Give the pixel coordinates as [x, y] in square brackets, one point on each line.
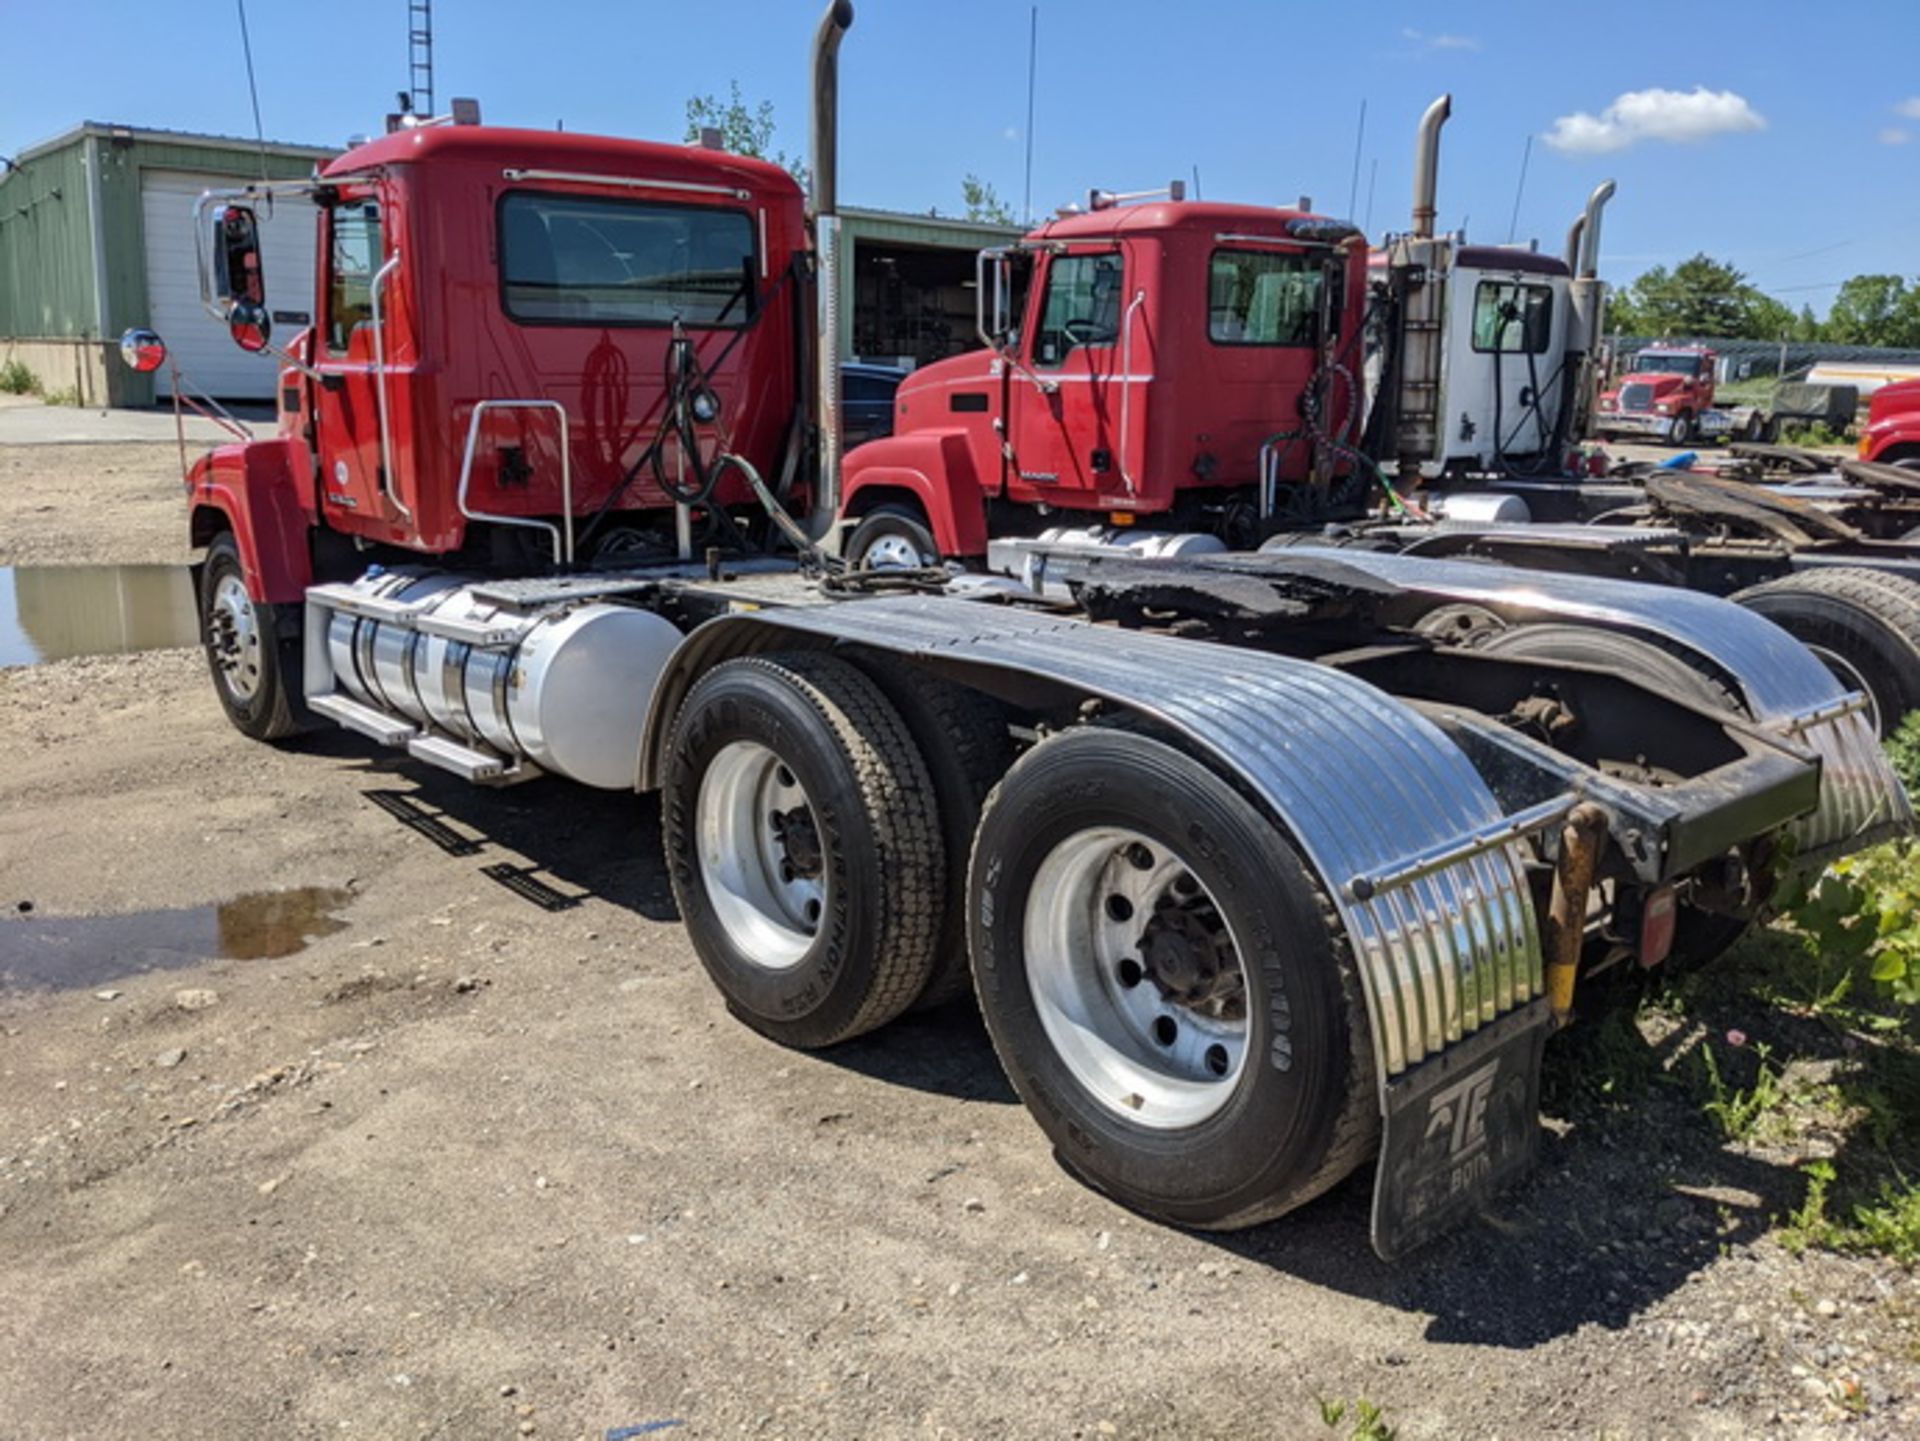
[1636, 397]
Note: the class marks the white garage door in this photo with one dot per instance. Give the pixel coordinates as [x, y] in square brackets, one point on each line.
[209, 360]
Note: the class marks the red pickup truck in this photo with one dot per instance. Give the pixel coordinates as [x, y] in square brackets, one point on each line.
[1892, 435]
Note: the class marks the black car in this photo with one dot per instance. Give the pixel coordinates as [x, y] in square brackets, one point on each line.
[866, 401]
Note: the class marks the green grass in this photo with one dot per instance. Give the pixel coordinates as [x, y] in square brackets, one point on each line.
[1369, 1421]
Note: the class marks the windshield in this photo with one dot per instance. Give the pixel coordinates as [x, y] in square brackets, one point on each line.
[1647, 362]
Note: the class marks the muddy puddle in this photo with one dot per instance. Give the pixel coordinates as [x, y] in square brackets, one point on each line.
[50, 612]
[72, 952]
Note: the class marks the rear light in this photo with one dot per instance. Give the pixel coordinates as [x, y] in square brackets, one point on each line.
[1657, 921]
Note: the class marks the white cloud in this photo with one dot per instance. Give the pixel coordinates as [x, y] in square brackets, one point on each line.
[1894, 135]
[1679, 117]
[1909, 108]
[1440, 42]
[1010, 133]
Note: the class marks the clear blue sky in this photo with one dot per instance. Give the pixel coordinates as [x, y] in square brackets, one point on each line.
[1805, 169]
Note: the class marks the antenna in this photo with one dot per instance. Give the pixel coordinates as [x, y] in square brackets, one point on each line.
[420, 56]
[253, 90]
[1359, 142]
[1513, 225]
[1033, 53]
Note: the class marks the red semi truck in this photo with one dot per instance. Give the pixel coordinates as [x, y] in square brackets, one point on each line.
[1258, 866]
[1892, 434]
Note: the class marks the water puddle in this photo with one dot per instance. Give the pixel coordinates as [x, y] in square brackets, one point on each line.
[72, 952]
[50, 612]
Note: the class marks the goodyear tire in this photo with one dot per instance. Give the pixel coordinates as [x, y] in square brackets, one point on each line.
[962, 737]
[804, 846]
[252, 663]
[1165, 983]
[892, 537]
[1864, 625]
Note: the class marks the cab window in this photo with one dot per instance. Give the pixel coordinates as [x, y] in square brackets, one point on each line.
[582, 260]
[1257, 297]
[1512, 319]
[355, 253]
[1081, 306]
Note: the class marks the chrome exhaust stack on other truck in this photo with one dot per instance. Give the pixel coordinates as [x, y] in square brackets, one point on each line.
[825, 205]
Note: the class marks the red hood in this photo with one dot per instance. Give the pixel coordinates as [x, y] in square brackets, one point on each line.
[1895, 399]
[1662, 382]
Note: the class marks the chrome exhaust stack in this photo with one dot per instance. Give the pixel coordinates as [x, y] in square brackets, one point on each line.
[825, 204]
[1426, 167]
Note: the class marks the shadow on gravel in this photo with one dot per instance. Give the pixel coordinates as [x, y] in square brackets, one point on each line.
[944, 1051]
[1624, 1207]
[551, 842]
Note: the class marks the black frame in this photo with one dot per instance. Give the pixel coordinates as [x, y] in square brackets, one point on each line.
[1546, 335]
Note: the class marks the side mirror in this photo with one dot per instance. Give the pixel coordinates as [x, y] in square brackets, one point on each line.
[143, 351]
[993, 298]
[249, 325]
[236, 256]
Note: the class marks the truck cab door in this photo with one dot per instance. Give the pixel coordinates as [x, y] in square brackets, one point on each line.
[1065, 421]
[347, 402]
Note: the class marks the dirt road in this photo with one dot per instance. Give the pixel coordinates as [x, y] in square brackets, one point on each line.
[462, 1166]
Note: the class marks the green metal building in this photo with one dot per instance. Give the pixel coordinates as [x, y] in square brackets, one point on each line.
[96, 236]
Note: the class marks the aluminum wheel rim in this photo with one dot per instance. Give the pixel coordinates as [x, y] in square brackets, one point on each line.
[1160, 1058]
[760, 856]
[1848, 674]
[236, 638]
[893, 552]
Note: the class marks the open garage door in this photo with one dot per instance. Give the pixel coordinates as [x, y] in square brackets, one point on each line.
[209, 360]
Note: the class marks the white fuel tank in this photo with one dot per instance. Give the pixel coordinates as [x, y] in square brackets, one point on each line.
[570, 691]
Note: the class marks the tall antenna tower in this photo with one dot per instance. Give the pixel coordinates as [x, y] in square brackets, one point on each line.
[420, 56]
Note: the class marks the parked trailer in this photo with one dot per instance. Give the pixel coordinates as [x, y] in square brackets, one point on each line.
[1257, 870]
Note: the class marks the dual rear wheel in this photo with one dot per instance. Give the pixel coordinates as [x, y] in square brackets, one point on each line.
[1160, 974]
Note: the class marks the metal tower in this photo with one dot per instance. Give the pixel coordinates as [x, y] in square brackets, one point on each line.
[420, 55]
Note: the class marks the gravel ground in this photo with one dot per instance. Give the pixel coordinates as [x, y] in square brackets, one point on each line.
[91, 504]
[465, 1167]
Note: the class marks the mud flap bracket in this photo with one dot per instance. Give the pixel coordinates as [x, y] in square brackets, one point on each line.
[1458, 1129]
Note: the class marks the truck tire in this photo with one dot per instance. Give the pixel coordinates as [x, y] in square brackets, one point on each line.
[892, 537]
[251, 662]
[962, 737]
[1864, 625]
[1681, 431]
[1166, 984]
[803, 845]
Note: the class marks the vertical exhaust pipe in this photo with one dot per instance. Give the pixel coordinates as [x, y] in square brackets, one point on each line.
[1574, 232]
[1590, 230]
[1426, 167]
[825, 204]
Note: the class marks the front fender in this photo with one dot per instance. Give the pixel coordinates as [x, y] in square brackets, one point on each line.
[936, 468]
[255, 488]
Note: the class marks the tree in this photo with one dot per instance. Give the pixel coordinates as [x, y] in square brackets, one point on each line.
[1875, 310]
[744, 130]
[1704, 297]
[983, 202]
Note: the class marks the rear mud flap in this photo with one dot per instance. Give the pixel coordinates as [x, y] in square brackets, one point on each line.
[1459, 1129]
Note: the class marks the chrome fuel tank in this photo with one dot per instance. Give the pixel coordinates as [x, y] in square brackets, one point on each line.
[565, 687]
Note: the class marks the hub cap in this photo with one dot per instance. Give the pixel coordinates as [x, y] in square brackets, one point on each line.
[233, 638]
[1136, 977]
[894, 552]
[761, 857]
